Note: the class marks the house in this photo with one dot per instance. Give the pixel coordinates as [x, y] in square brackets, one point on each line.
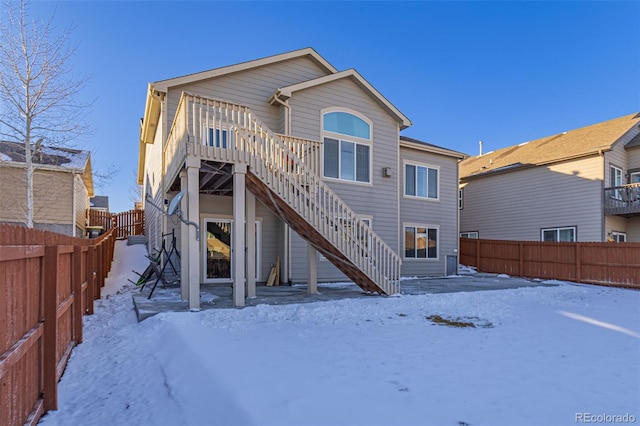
[100, 202]
[62, 186]
[579, 185]
[312, 160]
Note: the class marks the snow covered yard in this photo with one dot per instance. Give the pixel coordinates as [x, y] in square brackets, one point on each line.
[536, 356]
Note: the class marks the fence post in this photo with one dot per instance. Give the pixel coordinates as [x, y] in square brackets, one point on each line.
[91, 278]
[51, 275]
[99, 270]
[578, 263]
[521, 258]
[478, 255]
[77, 293]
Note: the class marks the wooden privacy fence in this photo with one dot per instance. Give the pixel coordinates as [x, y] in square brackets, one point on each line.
[614, 264]
[126, 223]
[48, 282]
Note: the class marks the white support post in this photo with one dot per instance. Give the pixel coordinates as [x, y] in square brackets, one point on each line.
[312, 269]
[286, 255]
[238, 234]
[251, 244]
[184, 242]
[193, 192]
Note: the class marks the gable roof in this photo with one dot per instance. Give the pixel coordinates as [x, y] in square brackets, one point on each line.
[429, 147]
[309, 52]
[634, 142]
[581, 142]
[50, 158]
[286, 92]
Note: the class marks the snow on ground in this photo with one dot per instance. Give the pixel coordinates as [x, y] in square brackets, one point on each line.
[538, 356]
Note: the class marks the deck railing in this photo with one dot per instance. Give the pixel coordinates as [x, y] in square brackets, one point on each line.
[219, 131]
[622, 200]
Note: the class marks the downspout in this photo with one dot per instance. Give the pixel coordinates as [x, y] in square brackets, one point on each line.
[603, 230]
[286, 267]
[73, 210]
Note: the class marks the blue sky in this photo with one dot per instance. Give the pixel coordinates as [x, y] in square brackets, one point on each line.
[500, 72]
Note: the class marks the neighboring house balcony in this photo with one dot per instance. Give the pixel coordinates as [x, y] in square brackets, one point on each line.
[284, 173]
[622, 200]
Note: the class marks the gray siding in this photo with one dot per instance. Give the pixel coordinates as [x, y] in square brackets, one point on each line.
[633, 158]
[379, 199]
[516, 205]
[251, 87]
[442, 214]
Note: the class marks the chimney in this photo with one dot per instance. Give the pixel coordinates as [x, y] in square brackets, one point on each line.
[480, 143]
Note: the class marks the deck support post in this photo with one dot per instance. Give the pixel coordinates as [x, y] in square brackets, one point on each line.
[238, 234]
[184, 242]
[312, 269]
[193, 194]
[251, 244]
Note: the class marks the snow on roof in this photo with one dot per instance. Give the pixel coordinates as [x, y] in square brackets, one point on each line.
[72, 159]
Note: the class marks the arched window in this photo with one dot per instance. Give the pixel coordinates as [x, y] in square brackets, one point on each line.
[347, 146]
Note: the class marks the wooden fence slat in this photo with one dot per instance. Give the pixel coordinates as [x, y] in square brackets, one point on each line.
[612, 264]
[50, 327]
[50, 281]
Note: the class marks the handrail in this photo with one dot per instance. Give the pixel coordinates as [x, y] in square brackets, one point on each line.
[229, 132]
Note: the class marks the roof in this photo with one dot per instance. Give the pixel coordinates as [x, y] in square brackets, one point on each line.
[429, 147]
[156, 91]
[581, 142]
[100, 202]
[50, 158]
[162, 85]
[634, 142]
[285, 93]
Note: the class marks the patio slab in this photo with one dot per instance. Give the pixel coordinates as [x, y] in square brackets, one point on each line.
[219, 296]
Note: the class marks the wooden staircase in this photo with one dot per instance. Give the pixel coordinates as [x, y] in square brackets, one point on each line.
[284, 174]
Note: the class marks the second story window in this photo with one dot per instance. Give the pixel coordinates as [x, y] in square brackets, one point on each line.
[347, 147]
[420, 181]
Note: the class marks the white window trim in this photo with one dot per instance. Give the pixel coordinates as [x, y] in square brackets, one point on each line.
[631, 175]
[347, 138]
[420, 259]
[468, 234]
[404, 180]
[229, 131]
[558, 229]
[619, 234]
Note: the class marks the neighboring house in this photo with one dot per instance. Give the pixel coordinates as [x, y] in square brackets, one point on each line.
[100, 202]
[62, 186]
[312, 159]
[579, 185]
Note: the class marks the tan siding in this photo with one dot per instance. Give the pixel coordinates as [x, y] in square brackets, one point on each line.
[12, 195]
[379, 199]
[52, 196]
[633, 229]
[212, 206]
[81, 205]
[615, 224]
[153, 184]
[633, 158]
[442, 213]
[516, 205]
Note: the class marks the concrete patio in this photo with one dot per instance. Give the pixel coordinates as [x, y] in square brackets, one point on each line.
[219, 296]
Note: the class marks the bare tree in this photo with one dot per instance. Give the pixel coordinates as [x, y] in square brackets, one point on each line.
[38, 93]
